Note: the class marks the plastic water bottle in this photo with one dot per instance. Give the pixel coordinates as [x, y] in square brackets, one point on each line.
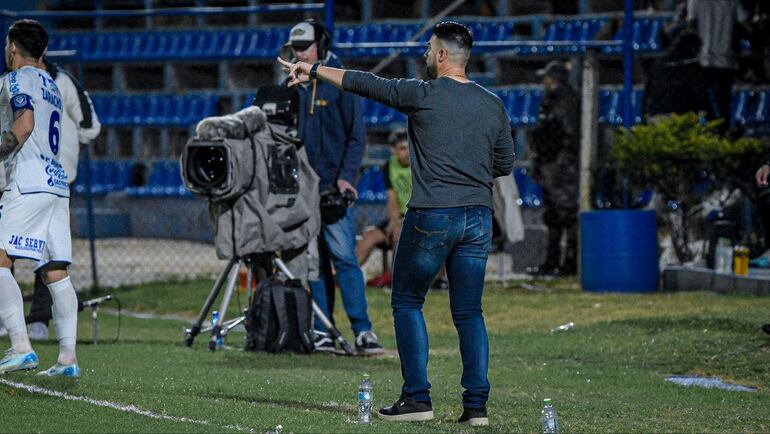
[365, 401]
[548, 418]
[214, 320]
[723, 257]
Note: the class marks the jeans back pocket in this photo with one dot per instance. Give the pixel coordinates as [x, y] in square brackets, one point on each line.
[431, 230]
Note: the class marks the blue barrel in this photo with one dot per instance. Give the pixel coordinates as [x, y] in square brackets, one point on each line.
[619, 251]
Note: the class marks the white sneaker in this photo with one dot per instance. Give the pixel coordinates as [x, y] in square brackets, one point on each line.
[37, 331]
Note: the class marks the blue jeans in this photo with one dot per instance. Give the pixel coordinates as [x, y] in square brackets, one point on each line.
[341, 240]
[461, 238]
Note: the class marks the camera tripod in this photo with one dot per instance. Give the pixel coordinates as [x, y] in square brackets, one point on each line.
[261, 267]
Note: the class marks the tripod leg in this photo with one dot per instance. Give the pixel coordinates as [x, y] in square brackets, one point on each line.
[193, 331]
[217, 331]
[321, 316]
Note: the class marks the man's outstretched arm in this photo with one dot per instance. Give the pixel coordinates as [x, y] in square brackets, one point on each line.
[401, 94]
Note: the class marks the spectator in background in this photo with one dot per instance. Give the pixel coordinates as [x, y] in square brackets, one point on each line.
[763, 207]
[676, 83]
[398, 185]
[715, 22]
[555, 142]
[79, 126]
[331, 125]
[759, 32]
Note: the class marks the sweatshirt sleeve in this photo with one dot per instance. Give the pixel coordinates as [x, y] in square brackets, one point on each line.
[404, 95]
[355, 136]
[503, 155]
[79, 107]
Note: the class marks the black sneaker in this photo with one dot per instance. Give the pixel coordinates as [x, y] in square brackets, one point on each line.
[406, 410]
[474, 416]
[766, 328]
[368, 343]
[323, 342]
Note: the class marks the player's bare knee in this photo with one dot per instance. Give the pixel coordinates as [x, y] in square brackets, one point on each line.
[54, 272]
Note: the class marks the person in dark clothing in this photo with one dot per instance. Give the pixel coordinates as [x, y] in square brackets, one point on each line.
[555, 143]
[459, 141]
[763, 207]
[676, 83]
[715, 22]
[331, 126]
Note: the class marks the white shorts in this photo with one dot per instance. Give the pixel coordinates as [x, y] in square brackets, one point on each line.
[35, 226]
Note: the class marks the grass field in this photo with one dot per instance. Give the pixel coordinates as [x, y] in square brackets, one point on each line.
[605, 375]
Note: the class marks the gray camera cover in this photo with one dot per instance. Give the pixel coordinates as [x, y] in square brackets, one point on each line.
[249, 215]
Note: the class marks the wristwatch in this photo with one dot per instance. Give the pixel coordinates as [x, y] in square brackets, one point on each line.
[314, 71]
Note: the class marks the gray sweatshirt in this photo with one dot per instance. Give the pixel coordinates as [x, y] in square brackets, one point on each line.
[459, 136]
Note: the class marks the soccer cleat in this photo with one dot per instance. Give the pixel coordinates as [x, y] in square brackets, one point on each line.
[368, 343]
[474, 416]
[59, 370]
[14, 361]
[406, 410]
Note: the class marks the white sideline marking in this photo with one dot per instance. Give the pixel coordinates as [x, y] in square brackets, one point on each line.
[115, 406]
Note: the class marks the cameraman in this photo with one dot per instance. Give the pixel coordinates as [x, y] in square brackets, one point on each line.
[460, 139]
[331, 125]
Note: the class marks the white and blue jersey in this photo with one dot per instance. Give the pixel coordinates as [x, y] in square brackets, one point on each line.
[36, 167]
[34, 207]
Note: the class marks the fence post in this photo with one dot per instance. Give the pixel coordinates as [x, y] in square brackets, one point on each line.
[628, 63]
[329, 16]
[90, 217]
[588, 127]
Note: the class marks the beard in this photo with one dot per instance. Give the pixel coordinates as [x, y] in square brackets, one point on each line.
[431, 71]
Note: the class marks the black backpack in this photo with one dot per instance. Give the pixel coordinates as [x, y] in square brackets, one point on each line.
[279, 318]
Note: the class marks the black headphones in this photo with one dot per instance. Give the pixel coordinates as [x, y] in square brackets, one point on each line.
[322, 37]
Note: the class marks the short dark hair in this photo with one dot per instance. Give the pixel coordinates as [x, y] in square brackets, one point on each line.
[454, 32]
[397, 135]
[29, 36]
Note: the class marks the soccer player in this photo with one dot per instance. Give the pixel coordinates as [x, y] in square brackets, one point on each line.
[34, 208]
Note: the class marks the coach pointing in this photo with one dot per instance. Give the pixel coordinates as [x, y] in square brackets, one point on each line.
[460, 139]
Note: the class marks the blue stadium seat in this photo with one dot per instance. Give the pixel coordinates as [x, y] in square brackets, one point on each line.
[611, 106]
[156, 110]
[530, 193]
[570, 31]
[379, 115]
[646, 35]
[750, 107]
[371, 186]
[740, 106]
[107, 176]
[521, 104]
[165, 180]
